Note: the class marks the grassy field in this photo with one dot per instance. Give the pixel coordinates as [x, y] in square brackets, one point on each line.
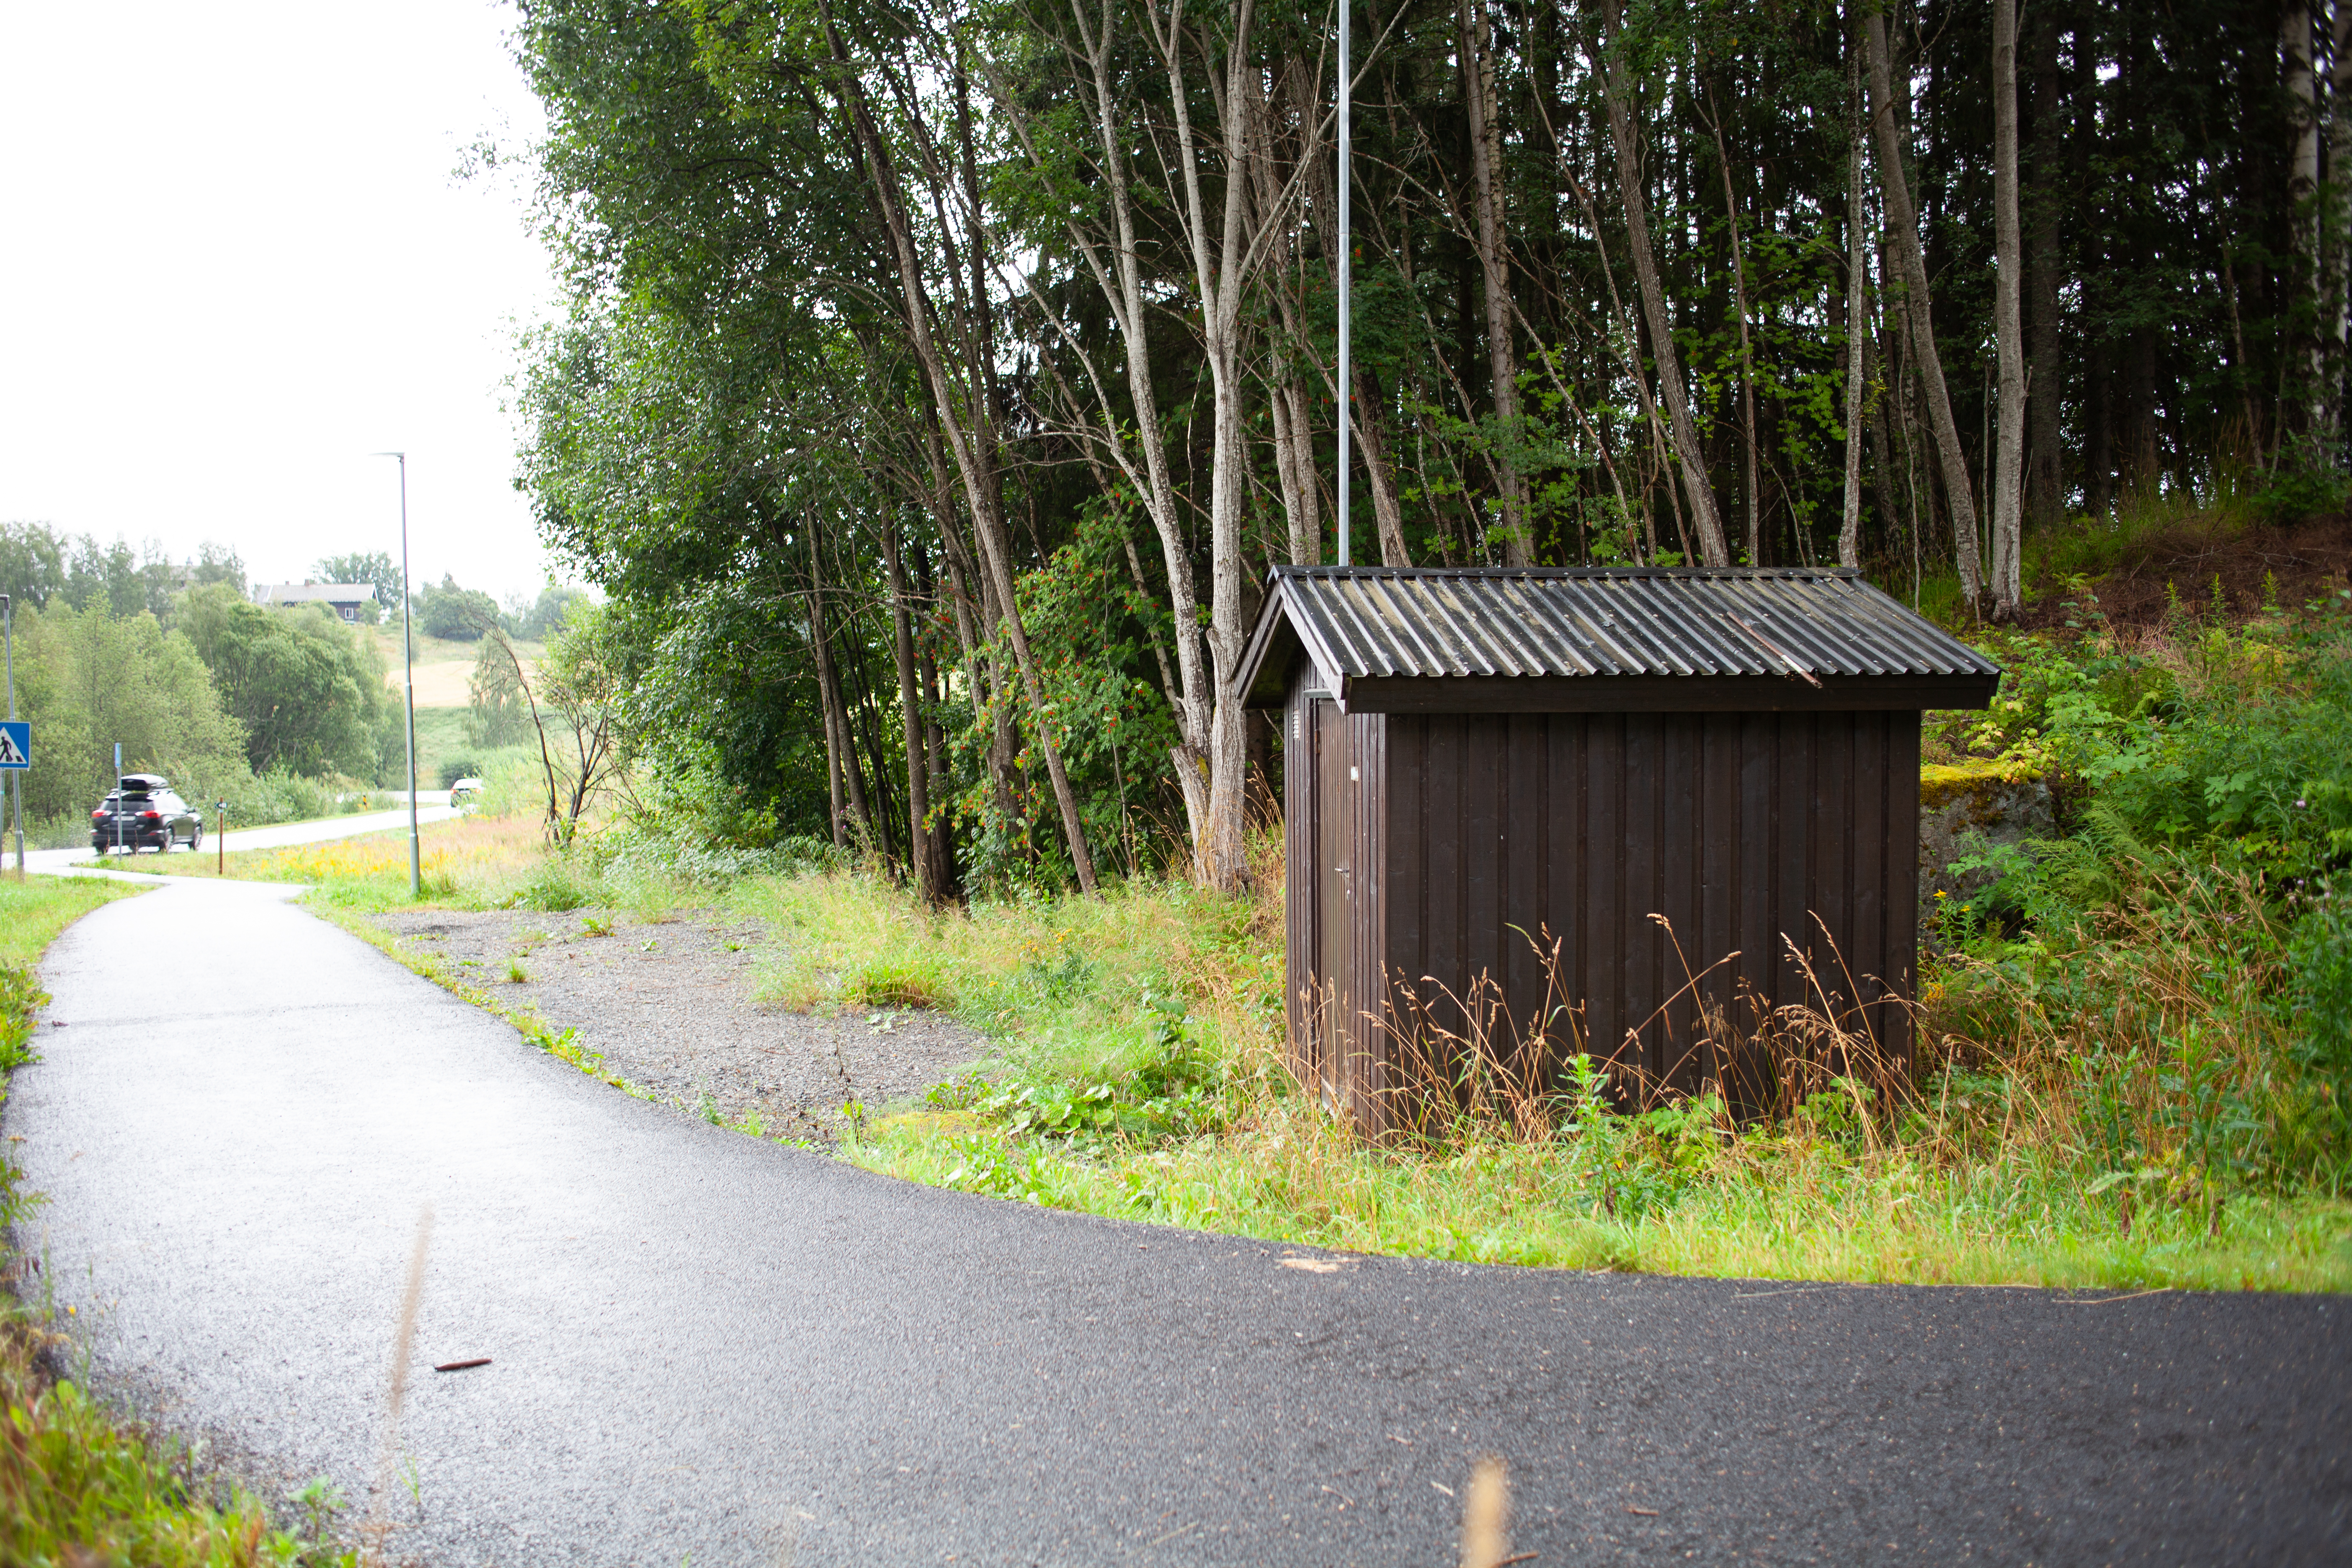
[472, 862]
[34, 911]
[1138, 1076]
[79, 1484]
[441, 742]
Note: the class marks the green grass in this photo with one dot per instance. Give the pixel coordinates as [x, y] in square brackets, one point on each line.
[1087, 1000]
[79, 1483]
[33, 912]
[477, 861]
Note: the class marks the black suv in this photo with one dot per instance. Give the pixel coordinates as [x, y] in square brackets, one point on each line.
[144, 810]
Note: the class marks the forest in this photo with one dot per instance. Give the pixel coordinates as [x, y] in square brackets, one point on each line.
[938, 381]
[281, 711]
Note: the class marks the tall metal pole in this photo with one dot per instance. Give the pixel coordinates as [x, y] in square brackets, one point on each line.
[1346, 269]
[408, 674]
[16, 777]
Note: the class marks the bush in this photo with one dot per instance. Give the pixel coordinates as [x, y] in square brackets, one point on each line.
[2319, 966]
[2295, 493]
[20, 997]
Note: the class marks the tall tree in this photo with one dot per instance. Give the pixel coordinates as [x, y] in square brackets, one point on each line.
[1611, 65]
[2009, 331]
[1856, 306]
[1903, 231]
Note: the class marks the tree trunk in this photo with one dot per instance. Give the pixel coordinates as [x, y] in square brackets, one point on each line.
[911, 713]
[1747, 354]
[1881, 440]
[968, 459]
[840, 745]
[941, 791]
[2303, 191]
[2009, 460]
[1123, 290]
[1287, 405]
[1371, 436]
[1713, 549]
[1221, 268]
[1620, 317]
[1903, 226]
[1294, 462]
[2099, 438]
[1857, 305]
[969, 594]
[2336, 232]
[2045, 454]
[1502, 355]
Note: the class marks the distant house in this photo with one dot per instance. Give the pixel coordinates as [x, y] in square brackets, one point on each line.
[343, 598]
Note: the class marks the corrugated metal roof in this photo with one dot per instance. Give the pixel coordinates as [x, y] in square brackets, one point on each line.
[1360, 623]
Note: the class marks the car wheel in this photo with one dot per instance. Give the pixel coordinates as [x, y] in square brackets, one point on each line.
[195, 837]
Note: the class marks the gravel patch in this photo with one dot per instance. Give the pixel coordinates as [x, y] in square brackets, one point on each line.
[668, 1006]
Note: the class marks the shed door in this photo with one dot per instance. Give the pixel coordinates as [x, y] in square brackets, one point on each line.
[1335, 831]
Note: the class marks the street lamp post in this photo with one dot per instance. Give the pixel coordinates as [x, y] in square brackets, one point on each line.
[408, 673]
[1346, 271]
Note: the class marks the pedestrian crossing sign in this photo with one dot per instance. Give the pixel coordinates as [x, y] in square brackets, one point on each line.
[16, 743]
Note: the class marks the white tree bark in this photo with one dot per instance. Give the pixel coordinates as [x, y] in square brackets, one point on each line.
[1501, 357]
[2008, 324]
[1221, 262]
[2336, 231]
[1903, 230]
[1690, 458]
[1856, 304]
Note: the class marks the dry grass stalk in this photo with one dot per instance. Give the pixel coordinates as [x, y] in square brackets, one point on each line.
[379, 1520]
[1461, 1064]
[1486, 1516]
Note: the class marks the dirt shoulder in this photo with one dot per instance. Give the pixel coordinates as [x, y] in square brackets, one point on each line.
[670, 1007]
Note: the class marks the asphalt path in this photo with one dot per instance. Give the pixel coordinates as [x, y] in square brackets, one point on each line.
[710, 1350]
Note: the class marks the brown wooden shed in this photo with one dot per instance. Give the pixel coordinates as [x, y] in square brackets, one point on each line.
[1476, 758]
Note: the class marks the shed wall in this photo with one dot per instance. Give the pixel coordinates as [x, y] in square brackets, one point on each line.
[1575, 828]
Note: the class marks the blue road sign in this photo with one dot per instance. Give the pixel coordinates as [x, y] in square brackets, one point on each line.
[15, 743]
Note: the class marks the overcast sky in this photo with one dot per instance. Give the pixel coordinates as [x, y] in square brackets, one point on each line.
[236, 259]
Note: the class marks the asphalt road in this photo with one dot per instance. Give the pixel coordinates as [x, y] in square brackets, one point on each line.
[55, 861]
[276, 836]
[710, 1350]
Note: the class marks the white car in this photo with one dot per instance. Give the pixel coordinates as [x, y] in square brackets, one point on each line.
[463, 791]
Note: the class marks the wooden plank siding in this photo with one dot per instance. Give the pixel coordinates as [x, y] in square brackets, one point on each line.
[1484, 841]
[1698, 790]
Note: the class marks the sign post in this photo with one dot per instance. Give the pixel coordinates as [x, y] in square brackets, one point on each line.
[16, 756]
[16, 750]
[220, 837]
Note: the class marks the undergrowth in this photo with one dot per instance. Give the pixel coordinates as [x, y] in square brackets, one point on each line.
[2133, 1071]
